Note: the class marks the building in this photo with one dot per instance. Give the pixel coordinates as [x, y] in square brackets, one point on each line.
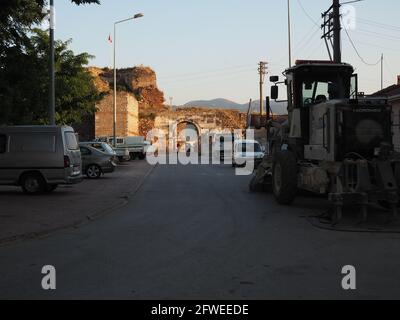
[392, 93]
[127, 115]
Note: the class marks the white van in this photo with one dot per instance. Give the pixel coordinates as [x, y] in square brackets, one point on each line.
[39, 158]
[246, 151]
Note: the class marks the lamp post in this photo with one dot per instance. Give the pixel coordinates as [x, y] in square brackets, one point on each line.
[136, 16]
[289, 33]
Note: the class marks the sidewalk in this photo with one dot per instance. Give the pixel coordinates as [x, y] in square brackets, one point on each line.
[25, 217]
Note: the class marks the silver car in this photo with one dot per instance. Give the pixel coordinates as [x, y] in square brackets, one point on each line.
[96, 162]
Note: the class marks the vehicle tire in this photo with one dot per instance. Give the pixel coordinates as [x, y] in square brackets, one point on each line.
[33, 183]
[93, 171]
[254, 186]
[51, 187]
[142, 156]
[121, 159]
[284, 178]
[386, 205]
[133, 156]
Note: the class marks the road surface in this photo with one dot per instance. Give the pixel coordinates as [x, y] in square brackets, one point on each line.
[195, 232]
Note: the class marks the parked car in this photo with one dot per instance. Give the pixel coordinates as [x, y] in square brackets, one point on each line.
[39, 158]
[96, 162]
[245, 151]
[120, 149]
[101, 146]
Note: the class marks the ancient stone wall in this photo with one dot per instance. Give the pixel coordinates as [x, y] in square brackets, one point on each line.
[127, 115]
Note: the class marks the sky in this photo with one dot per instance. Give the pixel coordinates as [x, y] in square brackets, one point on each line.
[206, 49]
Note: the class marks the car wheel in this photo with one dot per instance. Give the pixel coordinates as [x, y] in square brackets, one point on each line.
[132, 156]
[284, 179]
[33, 183]
[93, 171]
[142, 156]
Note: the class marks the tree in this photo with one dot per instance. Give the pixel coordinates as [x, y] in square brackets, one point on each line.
[25, 84]
[24, 65]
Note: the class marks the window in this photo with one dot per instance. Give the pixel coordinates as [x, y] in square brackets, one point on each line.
[70, 140]
[98, 146]
[3, 143]
[33, 142]
[85, 151]
[315, 92]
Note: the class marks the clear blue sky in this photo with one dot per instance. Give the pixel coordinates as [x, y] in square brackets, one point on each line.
[204, 49]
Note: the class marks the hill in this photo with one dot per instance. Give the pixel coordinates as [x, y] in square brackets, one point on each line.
[225, 104]
[215, 103]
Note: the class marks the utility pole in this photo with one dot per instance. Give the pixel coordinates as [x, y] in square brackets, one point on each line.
[337, 51]
[115, 88]
[52, 95]
[262, 71]
[332, 29]
[171, 99]
[289, 34]
[382, 72]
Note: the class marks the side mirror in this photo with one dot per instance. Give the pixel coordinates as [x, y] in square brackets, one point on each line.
[274, 79]
[274, 92]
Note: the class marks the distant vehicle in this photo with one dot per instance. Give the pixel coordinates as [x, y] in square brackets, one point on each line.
[96, 162]
[137, 147]
[122, 152]
[223, 146]
[245, 151]
[39, 158]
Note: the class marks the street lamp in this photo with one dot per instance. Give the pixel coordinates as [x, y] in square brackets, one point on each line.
[136, 16]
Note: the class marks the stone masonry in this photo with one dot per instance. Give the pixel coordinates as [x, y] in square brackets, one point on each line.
[127, 115]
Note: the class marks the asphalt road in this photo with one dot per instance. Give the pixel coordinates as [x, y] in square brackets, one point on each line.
[195, 232]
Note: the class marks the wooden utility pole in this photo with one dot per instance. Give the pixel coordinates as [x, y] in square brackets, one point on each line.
[337, 51]
[332, 29]
[262, 71]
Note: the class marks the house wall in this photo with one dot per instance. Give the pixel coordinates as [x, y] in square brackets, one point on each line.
[127, 116]
[396, 124]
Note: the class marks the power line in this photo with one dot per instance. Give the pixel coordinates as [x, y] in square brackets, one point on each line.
[358, 53]
[378, 24]
[307, 14]
[384, 35]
